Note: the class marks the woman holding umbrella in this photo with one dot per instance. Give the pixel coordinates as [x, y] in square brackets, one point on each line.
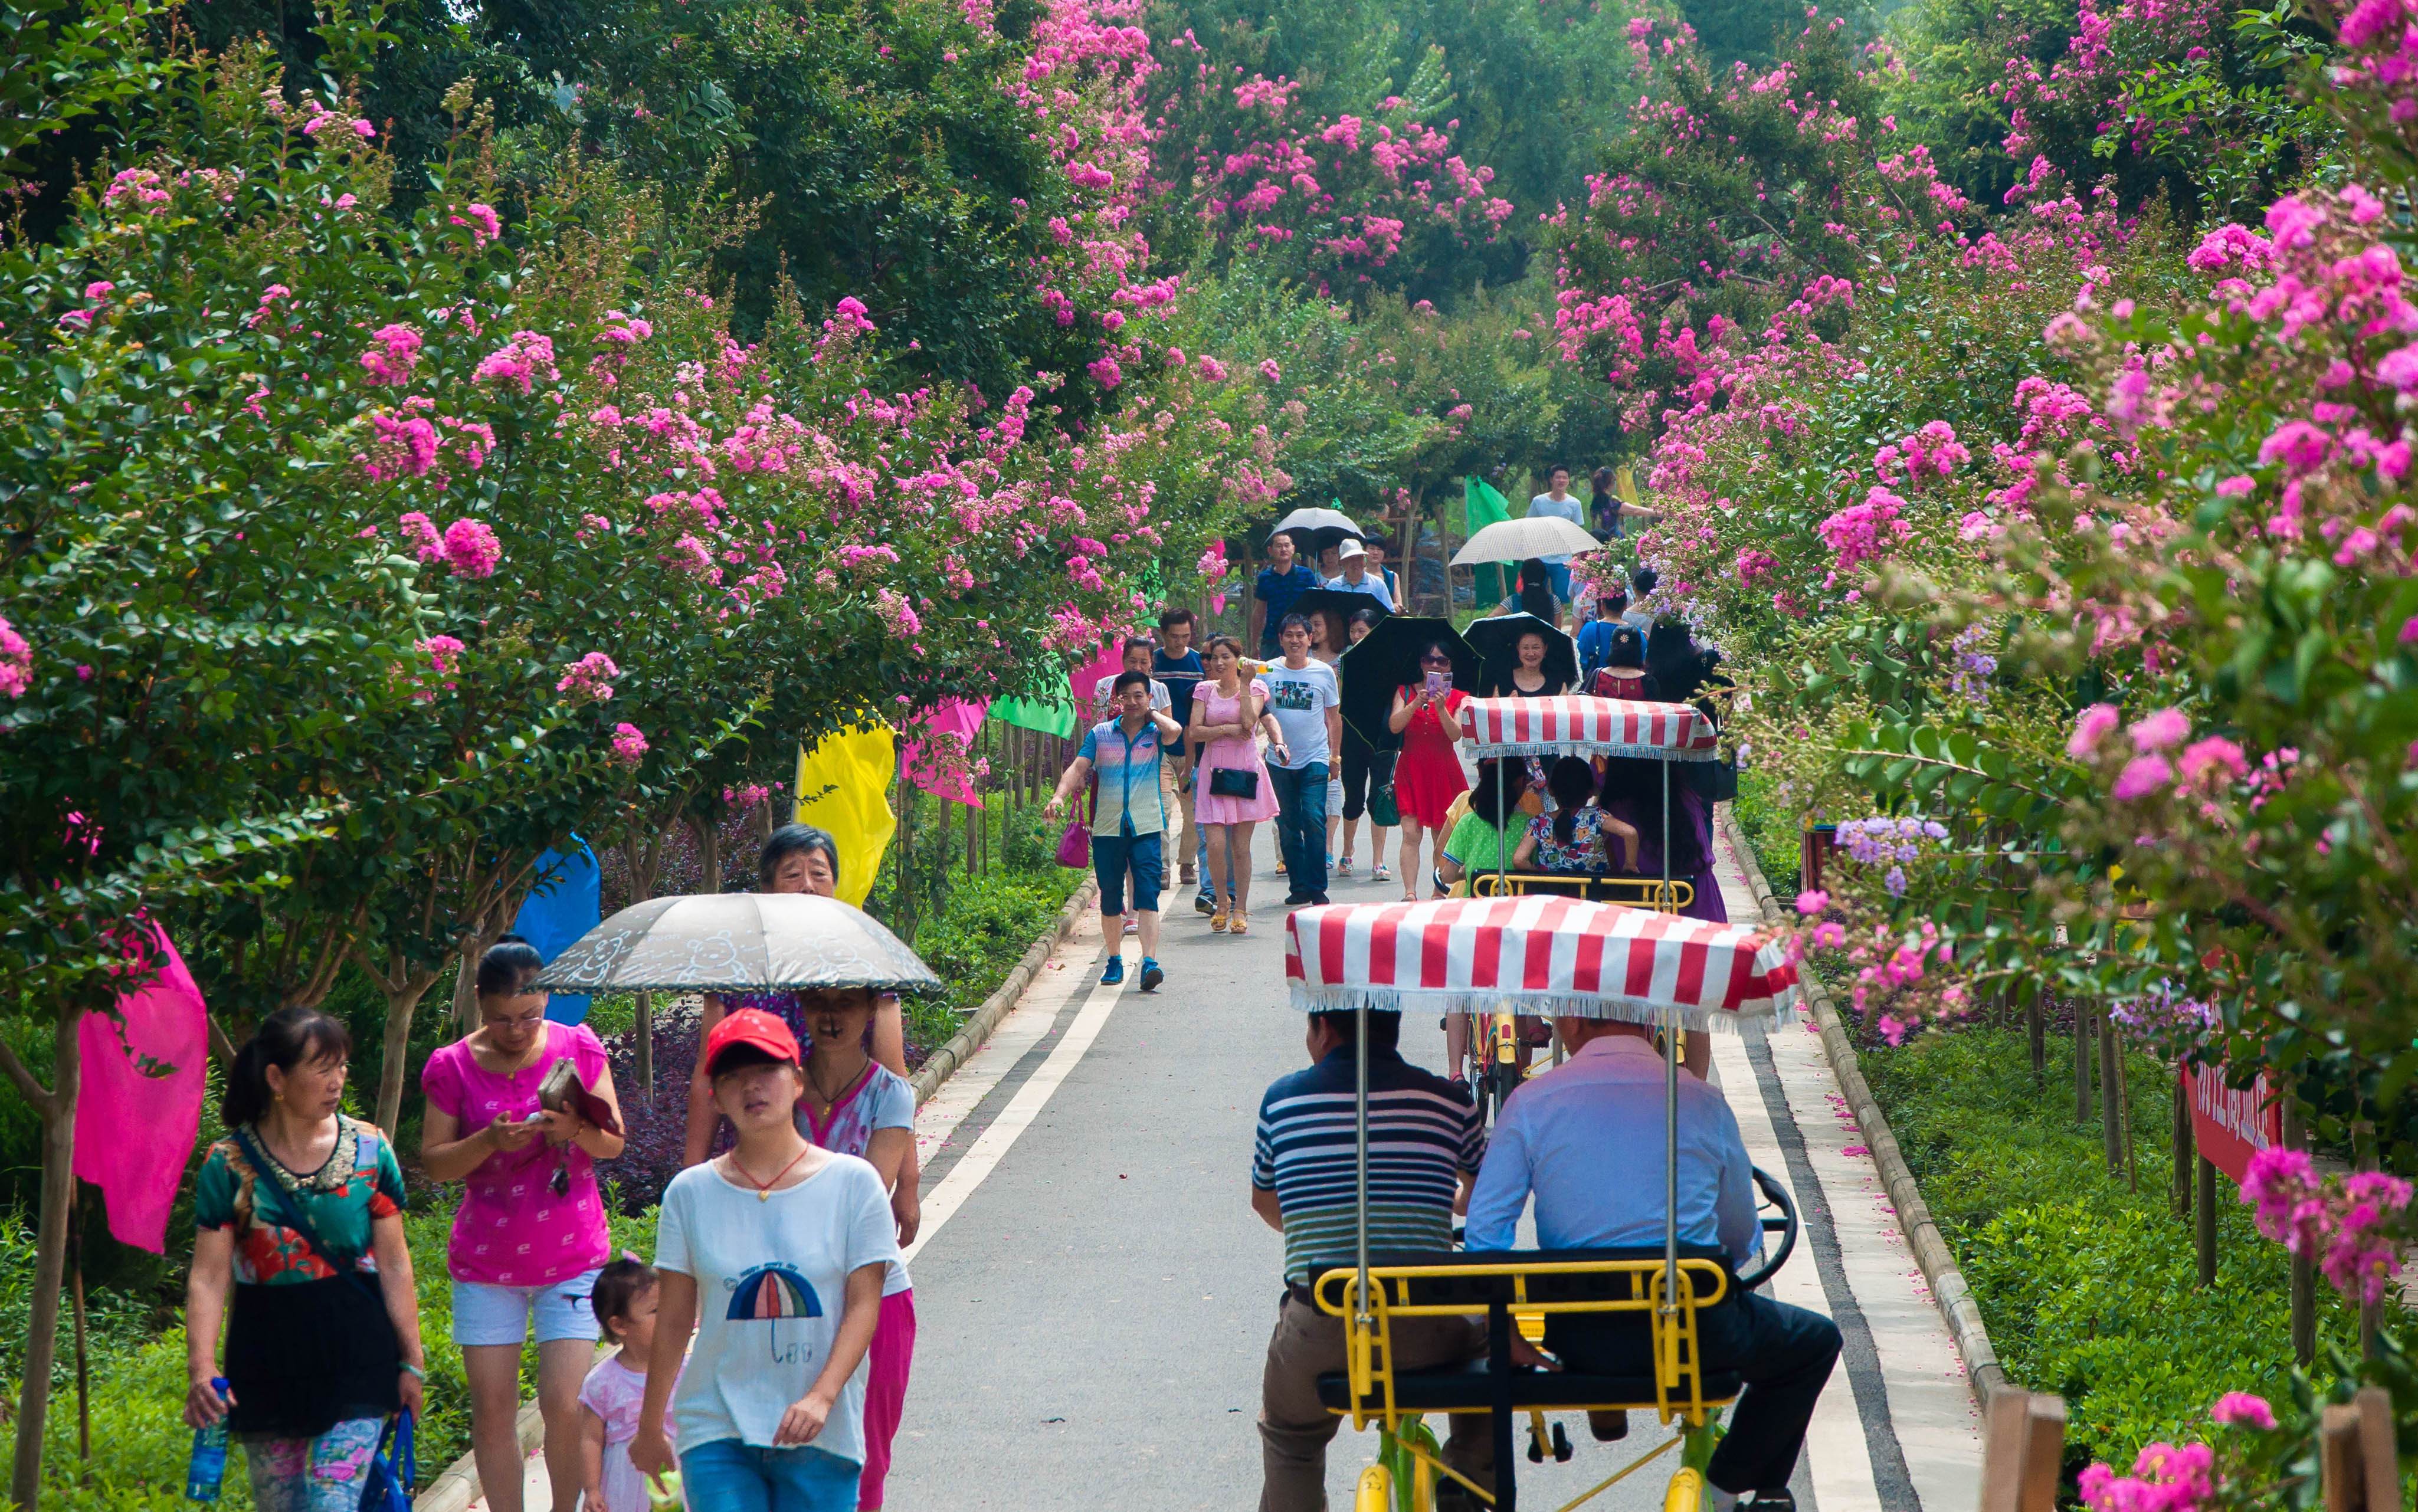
[1426, 776]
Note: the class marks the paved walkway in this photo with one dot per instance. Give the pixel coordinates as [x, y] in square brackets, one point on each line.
[1094, 1293]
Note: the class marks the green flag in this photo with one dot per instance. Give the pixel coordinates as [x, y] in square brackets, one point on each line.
[1050, 716]
[1482, 505]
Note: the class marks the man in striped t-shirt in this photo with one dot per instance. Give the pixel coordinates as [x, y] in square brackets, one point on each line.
[1425, 1144]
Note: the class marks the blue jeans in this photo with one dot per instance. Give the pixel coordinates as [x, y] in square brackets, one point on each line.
[729, 1477]
[1301, 826]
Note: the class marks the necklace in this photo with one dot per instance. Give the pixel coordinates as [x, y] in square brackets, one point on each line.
[764, 1190]
[828, 1098]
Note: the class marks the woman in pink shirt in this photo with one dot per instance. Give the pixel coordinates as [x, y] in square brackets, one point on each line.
[531, 1234]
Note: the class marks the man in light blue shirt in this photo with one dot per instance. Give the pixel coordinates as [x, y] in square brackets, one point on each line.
[1352, 575]
[1559, 500]
[1129, 818]
[1587, 1140]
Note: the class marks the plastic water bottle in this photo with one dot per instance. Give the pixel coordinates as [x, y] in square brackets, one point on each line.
[207, 1470]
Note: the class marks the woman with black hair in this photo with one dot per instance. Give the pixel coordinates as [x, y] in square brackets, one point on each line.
[1526, 677]
[1623, 674]
[1426, 773]
[1535, 594]
[531, 1235]
[1576, 837]
[298, 1214]
[1633, 791]
[1673, 658]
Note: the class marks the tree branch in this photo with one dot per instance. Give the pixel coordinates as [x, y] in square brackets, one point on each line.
[45, 1102]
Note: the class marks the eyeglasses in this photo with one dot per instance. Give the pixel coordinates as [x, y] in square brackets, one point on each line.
[1435, 660]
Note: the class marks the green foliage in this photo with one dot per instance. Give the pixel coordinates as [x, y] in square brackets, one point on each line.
[1772, 828]
[2087, 1287]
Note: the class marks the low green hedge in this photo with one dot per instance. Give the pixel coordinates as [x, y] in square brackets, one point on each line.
[2090, 1290]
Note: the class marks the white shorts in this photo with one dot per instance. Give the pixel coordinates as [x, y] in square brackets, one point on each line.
[487, 1314]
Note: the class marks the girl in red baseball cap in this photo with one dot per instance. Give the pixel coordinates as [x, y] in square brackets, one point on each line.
[773, 1255]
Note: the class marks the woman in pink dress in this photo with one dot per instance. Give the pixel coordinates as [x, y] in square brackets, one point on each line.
[1226, 716]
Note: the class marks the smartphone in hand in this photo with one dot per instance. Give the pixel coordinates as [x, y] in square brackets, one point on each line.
[1437, 684]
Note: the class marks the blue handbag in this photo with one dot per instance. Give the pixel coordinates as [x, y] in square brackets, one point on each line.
[388, 1486]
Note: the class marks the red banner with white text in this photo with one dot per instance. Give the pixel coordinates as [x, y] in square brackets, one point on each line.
[2230, 1124]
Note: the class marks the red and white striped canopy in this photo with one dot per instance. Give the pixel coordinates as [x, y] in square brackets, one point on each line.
[1580, 726]
[1535, 955]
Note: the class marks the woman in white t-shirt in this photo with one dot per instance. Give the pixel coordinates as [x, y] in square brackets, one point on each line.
[774, 1256]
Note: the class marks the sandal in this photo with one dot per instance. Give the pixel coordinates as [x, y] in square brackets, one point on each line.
[1383, 874]
[1239, 925]
[1344, 867]
[1217, 921]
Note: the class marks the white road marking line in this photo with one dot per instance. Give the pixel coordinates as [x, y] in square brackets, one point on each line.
[941, 1203]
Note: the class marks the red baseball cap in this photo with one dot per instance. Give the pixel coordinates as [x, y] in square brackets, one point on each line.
[751, 1027]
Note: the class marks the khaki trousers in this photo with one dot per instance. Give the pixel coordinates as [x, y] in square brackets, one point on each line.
[1295, 1429]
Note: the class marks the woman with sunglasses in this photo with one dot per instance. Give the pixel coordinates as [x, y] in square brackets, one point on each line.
[1427, 774]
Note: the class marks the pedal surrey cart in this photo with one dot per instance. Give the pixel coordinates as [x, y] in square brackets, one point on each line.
[1586, 727]
[1568, 956]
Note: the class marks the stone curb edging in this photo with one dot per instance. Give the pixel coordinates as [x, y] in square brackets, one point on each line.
[976, 1031]
[1949, 1289]
[458, 1487]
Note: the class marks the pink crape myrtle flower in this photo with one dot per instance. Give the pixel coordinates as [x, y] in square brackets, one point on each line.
[443, 652]
[486, 226]
[589, 679]
[2216, 758]
[629, 743]
[393, 356]
[2089, 727]
[526, 358]
[2162, 731]
[2243, 1409]
[2141, 777]
[471, 549]
[1812, 901]
[420, 532]
[16, 662]
[2165, 1479]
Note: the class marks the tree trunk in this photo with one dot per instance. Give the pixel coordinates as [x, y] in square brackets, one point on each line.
[2111, 1111]
[57, 1109]
[2305, 1274]
[395, 1060]
[2081, 1062]
[2183, 1141]
[2204, 1221]
[2036, 1027]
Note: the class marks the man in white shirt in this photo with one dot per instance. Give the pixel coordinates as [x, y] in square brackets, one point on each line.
[1307, 701]
[1557, 499]
[1137, 651]
[1355, 576]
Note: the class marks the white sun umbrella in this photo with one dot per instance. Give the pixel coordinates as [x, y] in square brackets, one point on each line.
[729, 943]
[1516, 540]
[1324, 528]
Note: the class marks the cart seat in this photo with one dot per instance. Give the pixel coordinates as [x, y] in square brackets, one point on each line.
[1470, 1388]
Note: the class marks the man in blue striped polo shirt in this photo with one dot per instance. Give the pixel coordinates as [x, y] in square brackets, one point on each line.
[1130, 818]
[1425, 1144]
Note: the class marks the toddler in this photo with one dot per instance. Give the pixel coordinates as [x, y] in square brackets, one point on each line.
[624, 1300]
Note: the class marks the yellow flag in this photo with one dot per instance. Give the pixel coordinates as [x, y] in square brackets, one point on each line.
[1624, 484]
[844, 787]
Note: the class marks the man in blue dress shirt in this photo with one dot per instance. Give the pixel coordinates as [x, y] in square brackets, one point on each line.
[1556, 1139]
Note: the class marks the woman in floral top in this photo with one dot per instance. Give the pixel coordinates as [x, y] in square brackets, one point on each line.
[1575, 838]
[299, 1218]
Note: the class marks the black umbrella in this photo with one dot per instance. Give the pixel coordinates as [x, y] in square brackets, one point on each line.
[1386, 659]
[1496, 640]
[1337, 602]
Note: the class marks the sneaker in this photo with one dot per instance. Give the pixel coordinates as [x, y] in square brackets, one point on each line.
[1203, 903]
[1151, 975]
[1115, 973]
[1294, 900]
[1317, 898]
[1133, 925]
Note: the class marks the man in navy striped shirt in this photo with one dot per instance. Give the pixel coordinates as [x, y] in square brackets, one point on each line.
[1425, 1145]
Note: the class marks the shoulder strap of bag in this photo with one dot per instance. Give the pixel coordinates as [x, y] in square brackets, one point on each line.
[298, 1220]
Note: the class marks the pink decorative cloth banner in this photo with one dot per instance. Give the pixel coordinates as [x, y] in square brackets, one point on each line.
[1085, 680]
[945, 777]
[1580, 726]
[1535, 953]
[139, 1104]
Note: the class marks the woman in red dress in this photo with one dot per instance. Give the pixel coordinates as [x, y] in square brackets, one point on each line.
[1426, 776]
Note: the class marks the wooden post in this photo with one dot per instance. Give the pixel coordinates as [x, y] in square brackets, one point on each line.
[2358, 1470]
[84, 1360]
[2204, 1222]
[2036, 1027]
[2182, 1140]
[2081, 1061]
[2111, 1126]
[2023, 1450]
[2305, 1274]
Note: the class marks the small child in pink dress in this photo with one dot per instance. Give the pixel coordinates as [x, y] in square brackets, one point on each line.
[610, 1399]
